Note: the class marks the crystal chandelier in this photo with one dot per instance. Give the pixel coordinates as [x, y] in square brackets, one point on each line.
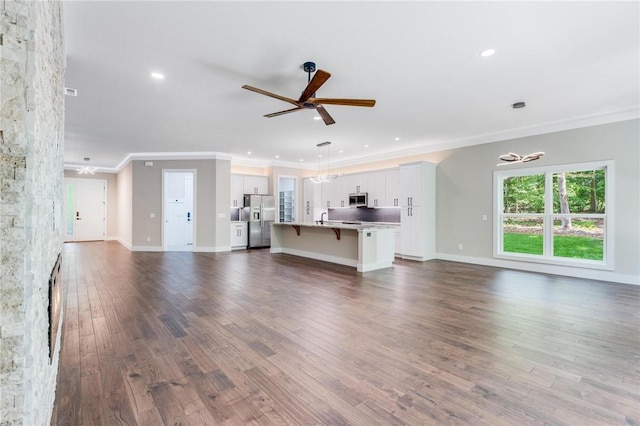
[324, 177]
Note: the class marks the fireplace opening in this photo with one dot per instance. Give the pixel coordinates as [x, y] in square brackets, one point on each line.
[55, 298]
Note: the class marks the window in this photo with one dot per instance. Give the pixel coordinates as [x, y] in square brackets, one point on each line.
[557, 215]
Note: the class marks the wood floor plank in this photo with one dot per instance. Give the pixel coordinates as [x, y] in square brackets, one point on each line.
[248, 337]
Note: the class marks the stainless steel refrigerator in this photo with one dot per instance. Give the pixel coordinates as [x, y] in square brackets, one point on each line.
[260, 212]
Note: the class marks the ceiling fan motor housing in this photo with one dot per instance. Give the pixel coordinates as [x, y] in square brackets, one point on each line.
[309, 67]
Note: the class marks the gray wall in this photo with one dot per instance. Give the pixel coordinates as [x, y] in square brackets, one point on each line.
[212, 197]
[32, 146]
[465, 189]
[125, 206]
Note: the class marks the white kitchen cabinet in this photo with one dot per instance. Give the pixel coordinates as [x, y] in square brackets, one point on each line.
[358, 183]
[238, 235]
[376, 183]
[311, 200]
[247, 184]
[417, 219]
[334, 194]
[411, 184]
[255, 184]
[392, 188]
[237, 190]
[398, 242]
[340, 192]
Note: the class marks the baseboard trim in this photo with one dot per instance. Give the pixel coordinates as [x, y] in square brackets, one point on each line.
[208, 249]
[124, 243]
[592, 274]
[147, 248]
[374, 266]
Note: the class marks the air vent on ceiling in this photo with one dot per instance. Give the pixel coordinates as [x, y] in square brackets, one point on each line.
[70, 92]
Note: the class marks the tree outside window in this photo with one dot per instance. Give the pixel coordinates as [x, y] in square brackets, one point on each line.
[553, 214]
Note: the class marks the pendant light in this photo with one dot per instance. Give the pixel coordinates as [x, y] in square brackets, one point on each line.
[324, 177]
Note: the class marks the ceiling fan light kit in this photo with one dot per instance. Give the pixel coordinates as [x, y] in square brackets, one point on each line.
[307, 99]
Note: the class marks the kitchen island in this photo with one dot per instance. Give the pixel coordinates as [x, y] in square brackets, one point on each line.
[363, 246]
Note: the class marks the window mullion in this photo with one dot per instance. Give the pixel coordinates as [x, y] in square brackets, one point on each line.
[548, 216]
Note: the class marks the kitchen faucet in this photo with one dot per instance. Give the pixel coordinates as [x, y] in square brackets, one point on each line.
[322, 218]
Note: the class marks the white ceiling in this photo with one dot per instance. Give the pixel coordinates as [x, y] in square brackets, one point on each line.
[573, 63]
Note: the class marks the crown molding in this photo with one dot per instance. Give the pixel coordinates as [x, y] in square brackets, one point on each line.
[550, 127]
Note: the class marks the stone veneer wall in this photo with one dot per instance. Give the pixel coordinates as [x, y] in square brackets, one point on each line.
[31, 170]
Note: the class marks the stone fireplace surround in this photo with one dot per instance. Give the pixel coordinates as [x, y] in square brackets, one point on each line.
[31, 175]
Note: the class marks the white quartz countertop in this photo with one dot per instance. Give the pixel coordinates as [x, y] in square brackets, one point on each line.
[339, 225]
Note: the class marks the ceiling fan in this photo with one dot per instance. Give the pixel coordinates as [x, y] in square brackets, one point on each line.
[307, 99]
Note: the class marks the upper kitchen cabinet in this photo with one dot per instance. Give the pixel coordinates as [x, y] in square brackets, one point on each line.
[377, 190]
[335, 194]
[255, 184]
[247, 184]
[357, 183]
[237, 191]
[392, 188]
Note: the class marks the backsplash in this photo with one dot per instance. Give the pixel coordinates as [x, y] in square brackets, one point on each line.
[365, 214]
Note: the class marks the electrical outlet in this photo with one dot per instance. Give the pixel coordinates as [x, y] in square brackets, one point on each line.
[148, 239]
[460, 246]
[484, 217]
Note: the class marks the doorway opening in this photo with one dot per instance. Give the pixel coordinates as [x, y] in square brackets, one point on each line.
[287, 198]
[178, 208]
[85, 207]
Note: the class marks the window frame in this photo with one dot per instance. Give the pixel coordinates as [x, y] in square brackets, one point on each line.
[549, 216]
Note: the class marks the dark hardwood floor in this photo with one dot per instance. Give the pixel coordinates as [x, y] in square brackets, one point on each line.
[253, 338]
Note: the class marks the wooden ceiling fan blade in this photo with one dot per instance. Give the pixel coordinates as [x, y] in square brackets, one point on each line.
[287, 111]
[346, 102]
[318, 80]
[325, 115]
[270, 94]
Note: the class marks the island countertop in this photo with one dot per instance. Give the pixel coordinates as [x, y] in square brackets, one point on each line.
[340, 225]
[364, 246]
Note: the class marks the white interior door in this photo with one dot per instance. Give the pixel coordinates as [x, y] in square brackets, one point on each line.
[178, 211]
[85, 209]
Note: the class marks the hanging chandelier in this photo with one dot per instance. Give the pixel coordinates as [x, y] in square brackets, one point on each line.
[324, 177]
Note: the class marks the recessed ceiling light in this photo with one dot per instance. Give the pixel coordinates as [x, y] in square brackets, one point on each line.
[397, 139]
[302, 159]
[157, 75]
[277, 156]
[341, 151]
[366, 146]
[248, 152]
[488, 52]
[317, 118]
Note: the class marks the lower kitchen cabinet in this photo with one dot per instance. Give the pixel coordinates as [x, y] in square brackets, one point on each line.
[238, 235]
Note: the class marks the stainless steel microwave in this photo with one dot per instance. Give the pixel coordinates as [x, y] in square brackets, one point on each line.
[358, 200]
